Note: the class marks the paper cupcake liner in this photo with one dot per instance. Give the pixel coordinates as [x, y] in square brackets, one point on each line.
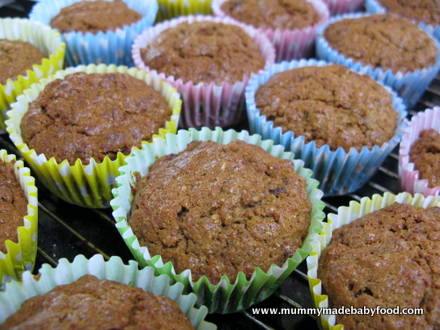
[339, 172]
[109, 47]
[87, 185]
[115, 270]
[48, 41]
[172, 8]
[374, 7]
[337, 7]
[409, 175]
[205, 104]
[289, 44]
[345, 215]
[410, 86]
[226, 296]
[20, 254]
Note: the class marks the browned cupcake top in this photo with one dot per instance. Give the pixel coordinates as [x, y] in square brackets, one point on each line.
[427, 11]
[329, 105]
[425, 154]
[204, 52]
[387, 258]
[90, 303]
[387, 41]
[16, 57]
[93, 115]
[221, 209]
[94, 16]
[273, 14]
[13, 204]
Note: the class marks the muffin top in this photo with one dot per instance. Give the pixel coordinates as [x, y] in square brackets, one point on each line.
[93, 115]
[16, 57]
[425, 154]
[204, 52]
[13, 204]
[427, 11]
[221, 209]
[94, 16]
[92, 303]
[272, 14]
[387, 258]
[387, 41]
[329, 105]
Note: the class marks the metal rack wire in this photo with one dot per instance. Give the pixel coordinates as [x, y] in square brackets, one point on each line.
[66, 230]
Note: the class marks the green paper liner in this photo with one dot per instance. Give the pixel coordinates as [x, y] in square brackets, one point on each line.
[87, 185]
[346, 215]
[48, 41]
[20, 255]
[113, 269]
[224, 296]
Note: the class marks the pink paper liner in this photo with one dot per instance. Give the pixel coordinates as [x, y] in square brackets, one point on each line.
[409, 176]
[206, 104]
[289, 44]
[337, 7]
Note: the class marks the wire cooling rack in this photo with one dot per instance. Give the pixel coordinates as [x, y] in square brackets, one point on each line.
[66, 230]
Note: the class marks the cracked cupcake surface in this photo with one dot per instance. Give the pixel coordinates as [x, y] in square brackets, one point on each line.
[386, 41]
[425, 154]
[386, 258]
[221, 209]
[329, 105]
[274, 14]
[427, 11]
[100, 304]
[16, 57]
[204, 52]
[93, 115]
[94, 16]
[13, 204]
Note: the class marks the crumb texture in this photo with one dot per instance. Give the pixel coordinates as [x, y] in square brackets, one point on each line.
[221, 209]
[387, 41]
[387, 258]
[93, 115]
[94, 16]
[204, 52]
[90, 303]
[13, 204]
[273, 14]
[329, 105]
[425, 154]
[16, 57]
[427, 11]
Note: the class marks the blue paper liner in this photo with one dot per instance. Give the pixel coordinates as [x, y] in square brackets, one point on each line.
[109, 47]
[410, 86]
[374, 7]
[339, 172]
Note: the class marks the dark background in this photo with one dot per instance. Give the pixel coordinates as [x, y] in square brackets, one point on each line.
[66, 230]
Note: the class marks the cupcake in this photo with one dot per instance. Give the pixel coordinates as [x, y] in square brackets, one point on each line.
[209, 60]
[18, 218]
[97, 31]
[380, 252]
[290, 25]
[341, 123]
[236, 213]
[29, 51]
[96, 114]
[387, 47]
[98, 294]
[424, 12]
[419, 154]
[337, 7]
